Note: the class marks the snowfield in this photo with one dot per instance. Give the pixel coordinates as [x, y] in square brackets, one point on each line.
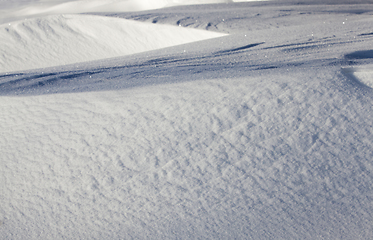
[250, 120]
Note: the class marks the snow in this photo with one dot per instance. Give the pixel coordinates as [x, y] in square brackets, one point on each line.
[14, 10]
[265, 133]
[65, 39]
[365, 76]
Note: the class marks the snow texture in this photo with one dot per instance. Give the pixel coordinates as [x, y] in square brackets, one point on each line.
[265, 133]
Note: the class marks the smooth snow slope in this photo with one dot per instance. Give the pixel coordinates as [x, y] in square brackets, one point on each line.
[262, 134]
[65, 39]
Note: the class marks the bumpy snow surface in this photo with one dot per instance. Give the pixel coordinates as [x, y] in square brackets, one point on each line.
[265, 133]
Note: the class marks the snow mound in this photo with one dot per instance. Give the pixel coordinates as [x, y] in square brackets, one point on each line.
[65, 39]
[221, 159]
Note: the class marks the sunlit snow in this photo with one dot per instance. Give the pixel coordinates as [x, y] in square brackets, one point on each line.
[63, 39]
[234, 120]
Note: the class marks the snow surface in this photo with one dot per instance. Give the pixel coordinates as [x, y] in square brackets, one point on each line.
[14, 9]
[266, 133]
[63, 39]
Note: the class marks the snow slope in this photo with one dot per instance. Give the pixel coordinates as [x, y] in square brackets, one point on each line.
[12, 10]
[262, 134]
[65, 39]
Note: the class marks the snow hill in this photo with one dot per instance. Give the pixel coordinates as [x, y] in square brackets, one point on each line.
[65, 39]
[265, 133]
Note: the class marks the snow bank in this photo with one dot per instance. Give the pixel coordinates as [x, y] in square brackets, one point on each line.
[65, 39]
[265, 157]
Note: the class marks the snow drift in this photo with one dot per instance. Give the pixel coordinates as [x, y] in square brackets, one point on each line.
[262, 134]
[253, 158]
[65, 39]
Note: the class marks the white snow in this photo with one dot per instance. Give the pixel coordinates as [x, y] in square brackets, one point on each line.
[362, 75]
[365, 76]
[14, 10]
[266, 133]
[65, 39]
